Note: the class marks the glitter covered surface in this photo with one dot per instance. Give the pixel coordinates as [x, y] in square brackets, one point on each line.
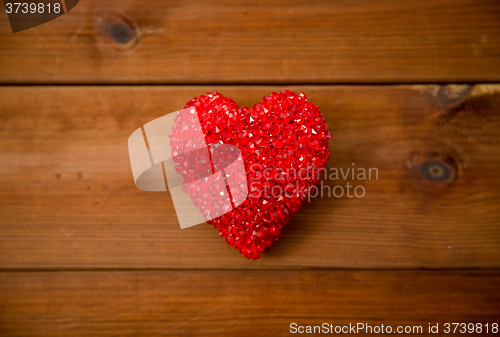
[284, 144]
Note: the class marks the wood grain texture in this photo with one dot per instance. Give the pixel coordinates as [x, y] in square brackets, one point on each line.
[277, 41]
[68, 200]
[238, 303]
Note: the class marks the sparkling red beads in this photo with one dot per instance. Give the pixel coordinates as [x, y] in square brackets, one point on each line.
[284, 144]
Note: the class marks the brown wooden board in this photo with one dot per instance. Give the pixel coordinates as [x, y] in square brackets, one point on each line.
[68, 199]
[241, 303]
[276, 41]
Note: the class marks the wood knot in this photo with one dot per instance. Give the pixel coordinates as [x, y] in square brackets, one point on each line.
[121, 32]
[433, 170]
[118, 32]
[452, 95]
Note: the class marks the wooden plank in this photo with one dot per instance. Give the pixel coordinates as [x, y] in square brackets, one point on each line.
[237, 303]
[256, 41]
[68, 200]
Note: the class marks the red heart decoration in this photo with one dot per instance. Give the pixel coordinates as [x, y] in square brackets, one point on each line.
[284, 144]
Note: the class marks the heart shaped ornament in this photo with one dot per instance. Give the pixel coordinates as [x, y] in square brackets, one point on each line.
[283, 143]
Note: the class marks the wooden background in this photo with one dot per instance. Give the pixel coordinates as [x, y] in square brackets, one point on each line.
[407, 87]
